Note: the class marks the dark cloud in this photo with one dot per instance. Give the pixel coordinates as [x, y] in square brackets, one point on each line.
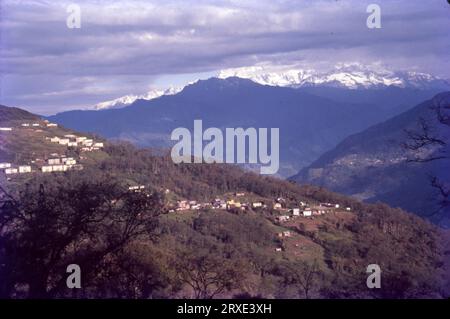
[125, 46]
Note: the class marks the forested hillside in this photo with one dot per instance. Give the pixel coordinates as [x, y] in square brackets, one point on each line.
[140, 244]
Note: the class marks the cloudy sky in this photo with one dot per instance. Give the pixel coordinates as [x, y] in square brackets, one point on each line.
[130, 47]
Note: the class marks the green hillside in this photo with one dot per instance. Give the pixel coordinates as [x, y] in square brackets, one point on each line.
[140, 244]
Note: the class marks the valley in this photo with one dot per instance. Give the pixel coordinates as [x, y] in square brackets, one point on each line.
[374, 165]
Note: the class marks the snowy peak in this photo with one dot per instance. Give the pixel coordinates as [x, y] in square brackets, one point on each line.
[350, 75]
[129, 99]
[343, 75]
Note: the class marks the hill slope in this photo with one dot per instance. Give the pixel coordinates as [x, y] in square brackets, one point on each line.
[372, 165]
[339, 243]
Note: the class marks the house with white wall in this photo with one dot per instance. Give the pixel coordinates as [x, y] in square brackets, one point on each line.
[24, 169]
[47, 169]
[5, 165]
[9, 171]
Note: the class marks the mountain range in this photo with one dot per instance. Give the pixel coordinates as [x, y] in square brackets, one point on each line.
[311, 120]
[344, 75]
[129, 99]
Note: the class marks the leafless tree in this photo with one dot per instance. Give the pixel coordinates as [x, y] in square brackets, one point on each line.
[208, 275]
[430, 142]
[47, 227]
[304, 275]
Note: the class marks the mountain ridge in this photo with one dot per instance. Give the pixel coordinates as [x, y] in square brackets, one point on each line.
[344, 75]
[234, 102]
[347, 75]
[374, 166]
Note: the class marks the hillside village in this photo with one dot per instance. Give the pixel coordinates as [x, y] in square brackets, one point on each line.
[287, 216]
[59, 162]
[281, 212]
[53, 162]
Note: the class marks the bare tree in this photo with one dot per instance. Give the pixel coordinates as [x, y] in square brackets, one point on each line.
[207, 274]
[430, 142]
[304, 275]
[47, 227]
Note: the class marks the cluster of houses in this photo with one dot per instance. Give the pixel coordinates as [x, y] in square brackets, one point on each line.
[306, 211]
[218, 203]
[9, 169]
[71, 140]
[33, 125]
[56, 162]
[46, 123]
[287, 212]
[61, 164]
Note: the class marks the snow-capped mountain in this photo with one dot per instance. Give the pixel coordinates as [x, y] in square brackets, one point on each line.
[129, 99]
[351, 75]
[343, 75]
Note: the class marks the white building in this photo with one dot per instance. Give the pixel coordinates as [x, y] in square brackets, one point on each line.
[277, 206]
[54, 139]
[53, 161]
[5, 128]
[5, 165]
[74, 144]
[88, 142]
[9, 171]
[69, 161]
[257, 204]
[58, 168]
[64, 141]
[52, 125]
[295, 211]
[287, 233]
[98, 145]
[35, 124]
[307, 213]
[47, 169]
[24, 169]
[136, 188]
[283, 218]
[70, 136]
[80, 139]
